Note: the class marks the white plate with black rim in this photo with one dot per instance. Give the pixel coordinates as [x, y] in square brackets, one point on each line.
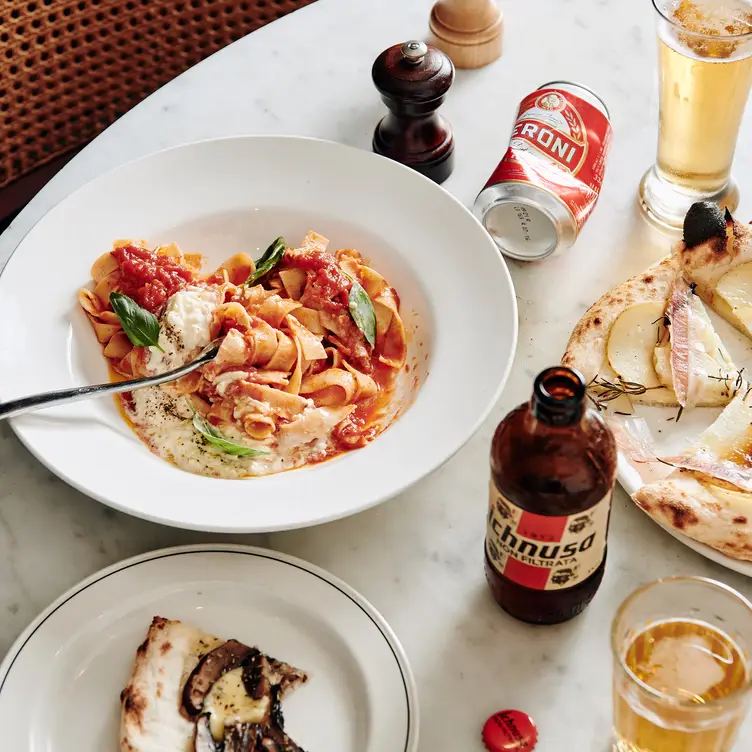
[218, 197]
[61, 680]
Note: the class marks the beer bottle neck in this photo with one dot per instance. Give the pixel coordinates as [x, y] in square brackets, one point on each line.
[558, 397]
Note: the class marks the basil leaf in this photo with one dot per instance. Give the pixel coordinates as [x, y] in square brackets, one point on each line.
[361, 310]
[272, 256]
[214, 437]
[141, 326]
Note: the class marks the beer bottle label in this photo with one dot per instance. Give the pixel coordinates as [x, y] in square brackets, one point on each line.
[544, 552]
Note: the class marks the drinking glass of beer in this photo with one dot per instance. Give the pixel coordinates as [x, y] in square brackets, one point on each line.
[705, 70]
[682, 679]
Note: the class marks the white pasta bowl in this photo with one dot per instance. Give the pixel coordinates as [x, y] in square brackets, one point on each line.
[228, 195]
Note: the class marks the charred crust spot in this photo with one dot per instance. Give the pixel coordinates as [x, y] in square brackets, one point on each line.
[134, 705]
[165, 648]
[597, 321]
[740, 520]
[681, 515]
[141, 649]
[648, 279]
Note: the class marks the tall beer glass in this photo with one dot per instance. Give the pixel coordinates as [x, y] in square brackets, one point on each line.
[682, 679]
[705, 70]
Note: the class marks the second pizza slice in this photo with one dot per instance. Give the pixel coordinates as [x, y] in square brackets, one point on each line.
[708, 497]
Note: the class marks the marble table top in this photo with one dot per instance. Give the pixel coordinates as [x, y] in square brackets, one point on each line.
[418, 558]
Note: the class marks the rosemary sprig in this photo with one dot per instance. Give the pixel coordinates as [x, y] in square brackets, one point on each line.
[605, 391]
[739, 381]
[726, 379]
[663, 324]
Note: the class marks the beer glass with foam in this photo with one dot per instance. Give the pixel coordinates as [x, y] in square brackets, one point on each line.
[681, 667]
[705, 71]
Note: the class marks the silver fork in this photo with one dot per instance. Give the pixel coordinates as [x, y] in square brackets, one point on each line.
[66, 396]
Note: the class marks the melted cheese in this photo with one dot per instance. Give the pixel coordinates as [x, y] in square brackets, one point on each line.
[184, 328]
[229, 703]
[163, 421]
[730, 436]
[735, 288]
[736, 503]
[222, 381]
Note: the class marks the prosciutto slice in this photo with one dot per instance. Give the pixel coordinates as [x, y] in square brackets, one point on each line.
[704, 463]
[634, 439]
[680, 313]
[636, 443]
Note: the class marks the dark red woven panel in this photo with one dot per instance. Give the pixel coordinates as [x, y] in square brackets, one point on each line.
[69, 69]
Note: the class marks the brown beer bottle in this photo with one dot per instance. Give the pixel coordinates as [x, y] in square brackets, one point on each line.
[553, 465]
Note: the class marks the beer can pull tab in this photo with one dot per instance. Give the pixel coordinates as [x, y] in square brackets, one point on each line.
[510, 731]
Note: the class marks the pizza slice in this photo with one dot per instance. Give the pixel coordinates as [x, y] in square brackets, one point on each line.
[716, 256]
[650, 340]
[709, 498]
[193, 692]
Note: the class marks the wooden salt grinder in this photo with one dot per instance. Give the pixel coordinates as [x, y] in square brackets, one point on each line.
[469, 31]
[413, 79]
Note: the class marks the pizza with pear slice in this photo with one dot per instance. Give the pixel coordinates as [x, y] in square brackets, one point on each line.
[650, 341]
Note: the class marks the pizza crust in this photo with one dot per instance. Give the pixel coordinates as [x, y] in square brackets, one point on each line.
[706, 263]
[685, 504]
[587, 346]
[151, 719]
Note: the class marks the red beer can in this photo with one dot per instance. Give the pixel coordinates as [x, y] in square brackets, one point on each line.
[548, 182]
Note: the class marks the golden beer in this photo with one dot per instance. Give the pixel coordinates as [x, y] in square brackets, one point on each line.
[704, 88]
[685, 662]
[705, 71]
[682, 680]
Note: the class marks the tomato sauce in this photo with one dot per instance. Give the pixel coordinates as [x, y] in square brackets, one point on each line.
[148, 278]
[327, 288]
[361, 426]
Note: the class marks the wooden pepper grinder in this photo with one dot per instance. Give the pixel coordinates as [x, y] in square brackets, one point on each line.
[413, 79]
[469, 31]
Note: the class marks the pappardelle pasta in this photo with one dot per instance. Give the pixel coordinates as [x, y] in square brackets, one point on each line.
[312, 343]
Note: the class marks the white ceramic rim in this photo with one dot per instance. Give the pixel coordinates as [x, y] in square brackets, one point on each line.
[411, 692]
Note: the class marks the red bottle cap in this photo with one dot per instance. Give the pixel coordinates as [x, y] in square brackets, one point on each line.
[510, 731]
